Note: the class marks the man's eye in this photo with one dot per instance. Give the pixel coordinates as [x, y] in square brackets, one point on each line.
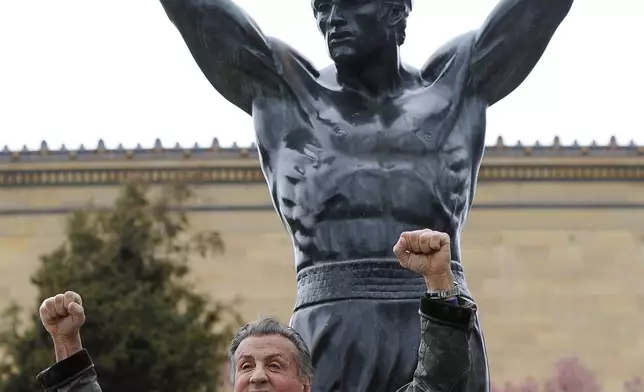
[245, 366]
[275, 366]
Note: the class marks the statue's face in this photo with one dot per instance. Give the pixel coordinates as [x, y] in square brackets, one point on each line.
[354, 30]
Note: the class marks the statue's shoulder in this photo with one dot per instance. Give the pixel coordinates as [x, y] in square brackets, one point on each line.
[288, 58]
[459, 48]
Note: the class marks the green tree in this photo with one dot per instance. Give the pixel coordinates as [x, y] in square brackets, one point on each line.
[146, 329]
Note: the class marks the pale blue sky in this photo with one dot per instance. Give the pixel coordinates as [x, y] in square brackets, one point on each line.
[75, 71]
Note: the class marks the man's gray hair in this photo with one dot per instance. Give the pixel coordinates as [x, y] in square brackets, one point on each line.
[270, 326]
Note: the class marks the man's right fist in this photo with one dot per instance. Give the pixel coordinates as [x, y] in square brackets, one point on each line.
[427, 253]
[63, 315]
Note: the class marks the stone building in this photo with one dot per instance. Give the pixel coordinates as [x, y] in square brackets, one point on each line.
[553, 249]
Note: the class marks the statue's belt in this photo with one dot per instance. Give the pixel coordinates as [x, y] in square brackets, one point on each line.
[358, 279]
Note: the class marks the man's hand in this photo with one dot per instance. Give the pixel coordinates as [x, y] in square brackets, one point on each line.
[427, 252]
[62, 316]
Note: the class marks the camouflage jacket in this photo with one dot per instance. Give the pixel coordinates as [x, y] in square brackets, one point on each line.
[443, 355]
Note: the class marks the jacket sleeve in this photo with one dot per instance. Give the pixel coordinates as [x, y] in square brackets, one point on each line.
[444, 352]
[73, 374]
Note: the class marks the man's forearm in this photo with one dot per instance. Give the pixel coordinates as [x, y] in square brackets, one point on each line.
[72, 373]
[66, 348]
[444, 352]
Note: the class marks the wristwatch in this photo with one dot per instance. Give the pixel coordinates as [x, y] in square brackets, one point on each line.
[443, 294]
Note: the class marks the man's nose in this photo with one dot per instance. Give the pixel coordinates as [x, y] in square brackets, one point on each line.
[259, 375]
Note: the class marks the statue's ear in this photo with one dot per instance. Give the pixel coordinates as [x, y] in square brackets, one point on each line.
[396, 14]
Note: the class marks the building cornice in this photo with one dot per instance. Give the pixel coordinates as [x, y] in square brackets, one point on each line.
[215, 164]
[216, 152]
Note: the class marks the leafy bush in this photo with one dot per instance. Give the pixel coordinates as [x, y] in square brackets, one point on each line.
[146, 328]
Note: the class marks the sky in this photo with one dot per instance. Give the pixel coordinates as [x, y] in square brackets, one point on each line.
[76, 71]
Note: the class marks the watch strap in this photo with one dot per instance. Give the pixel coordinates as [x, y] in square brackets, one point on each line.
[443, 294]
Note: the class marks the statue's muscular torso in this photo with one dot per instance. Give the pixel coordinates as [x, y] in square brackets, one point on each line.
[348, 175]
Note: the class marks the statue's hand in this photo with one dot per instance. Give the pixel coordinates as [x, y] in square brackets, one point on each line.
[426, 252]
[62, 316]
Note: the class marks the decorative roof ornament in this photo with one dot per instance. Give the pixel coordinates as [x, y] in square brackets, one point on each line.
[44, 150]
[612, 145]
[216, 151]
[100, 148]
[158, 146]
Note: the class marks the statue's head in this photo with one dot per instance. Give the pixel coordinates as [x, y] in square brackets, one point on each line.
[356, 30]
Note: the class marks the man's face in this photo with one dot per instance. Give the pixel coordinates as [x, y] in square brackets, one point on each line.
[267, 364]
[354, 30]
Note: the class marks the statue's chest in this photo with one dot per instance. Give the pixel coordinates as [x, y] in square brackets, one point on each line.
[406, 146]
[416, 123]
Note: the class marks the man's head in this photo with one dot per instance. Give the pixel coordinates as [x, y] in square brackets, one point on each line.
[268, 356]
[357, 30]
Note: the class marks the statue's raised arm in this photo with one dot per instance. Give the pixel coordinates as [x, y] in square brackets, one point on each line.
[228, 46]
[511, 42]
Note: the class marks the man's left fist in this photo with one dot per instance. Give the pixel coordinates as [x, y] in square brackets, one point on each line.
[63, 315]
[425, 252]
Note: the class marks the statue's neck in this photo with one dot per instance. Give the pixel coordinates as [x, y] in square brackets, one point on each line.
[375, 77]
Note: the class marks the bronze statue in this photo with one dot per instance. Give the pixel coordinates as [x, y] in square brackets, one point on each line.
[356, 153]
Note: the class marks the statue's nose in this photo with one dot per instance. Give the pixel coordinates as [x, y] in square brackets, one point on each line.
[336, 18]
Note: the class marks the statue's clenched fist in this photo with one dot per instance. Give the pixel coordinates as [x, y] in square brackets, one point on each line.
[63, 315]
[426, 252]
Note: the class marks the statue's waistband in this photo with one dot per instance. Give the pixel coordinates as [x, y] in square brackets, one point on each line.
[358, 279]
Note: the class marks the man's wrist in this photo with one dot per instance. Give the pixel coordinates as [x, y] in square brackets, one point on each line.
[444, 281]
[66, 346]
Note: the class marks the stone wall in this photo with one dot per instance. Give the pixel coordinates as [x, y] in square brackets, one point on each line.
[552, 280]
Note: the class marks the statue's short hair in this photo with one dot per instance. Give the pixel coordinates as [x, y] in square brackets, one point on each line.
[269, 326]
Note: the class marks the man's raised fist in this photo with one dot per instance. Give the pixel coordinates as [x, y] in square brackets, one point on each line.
[63, 315]
[425, 252]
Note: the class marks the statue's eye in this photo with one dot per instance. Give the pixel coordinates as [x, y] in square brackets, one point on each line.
[323, 7]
